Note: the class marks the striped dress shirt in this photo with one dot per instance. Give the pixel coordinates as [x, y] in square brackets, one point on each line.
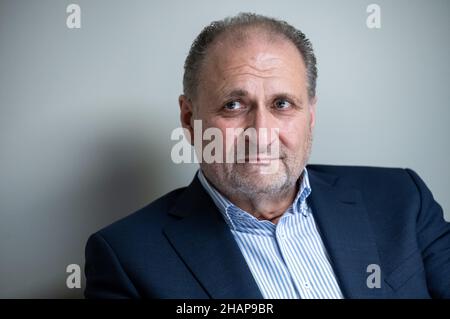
[288, 260]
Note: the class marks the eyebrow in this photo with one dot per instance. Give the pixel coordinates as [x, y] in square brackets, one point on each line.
[239, 93]
[236, 93]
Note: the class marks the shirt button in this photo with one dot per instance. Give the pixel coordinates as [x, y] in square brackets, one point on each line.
[307, 285]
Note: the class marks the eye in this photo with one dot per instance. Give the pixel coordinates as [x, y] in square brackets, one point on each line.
[233, 105]
[282, 104]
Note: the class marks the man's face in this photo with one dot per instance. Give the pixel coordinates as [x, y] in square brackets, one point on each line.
[259, 84]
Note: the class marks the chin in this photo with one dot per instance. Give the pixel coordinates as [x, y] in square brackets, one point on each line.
[270, 168]
[260, 183]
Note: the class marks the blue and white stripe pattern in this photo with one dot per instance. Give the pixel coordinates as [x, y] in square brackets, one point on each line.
[288, 260]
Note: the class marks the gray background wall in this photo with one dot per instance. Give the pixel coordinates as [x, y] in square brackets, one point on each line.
[86, 115]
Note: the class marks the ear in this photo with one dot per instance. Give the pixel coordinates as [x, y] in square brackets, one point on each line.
[186, 116]
[312, 111]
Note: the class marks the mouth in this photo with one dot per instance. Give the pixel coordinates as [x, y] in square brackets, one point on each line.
[262, 160]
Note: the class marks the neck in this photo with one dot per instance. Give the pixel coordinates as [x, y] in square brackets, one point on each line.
[263, 206]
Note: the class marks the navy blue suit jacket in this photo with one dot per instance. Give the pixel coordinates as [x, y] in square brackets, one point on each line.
[179, 246]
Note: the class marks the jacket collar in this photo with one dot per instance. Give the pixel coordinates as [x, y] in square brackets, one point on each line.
[344, 225]
[205, 243]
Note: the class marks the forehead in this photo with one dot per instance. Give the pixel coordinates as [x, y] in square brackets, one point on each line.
[253, 56]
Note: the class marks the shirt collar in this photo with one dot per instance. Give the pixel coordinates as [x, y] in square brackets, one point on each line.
[236, 217]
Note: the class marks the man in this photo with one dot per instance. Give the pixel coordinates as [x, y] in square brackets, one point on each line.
[241, 230]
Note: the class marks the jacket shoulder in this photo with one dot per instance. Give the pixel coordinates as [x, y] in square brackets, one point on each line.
[147, 221]
[359, 176]
[354, 169]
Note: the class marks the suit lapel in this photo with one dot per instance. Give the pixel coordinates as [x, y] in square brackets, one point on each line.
[205, 243]
[345, 230]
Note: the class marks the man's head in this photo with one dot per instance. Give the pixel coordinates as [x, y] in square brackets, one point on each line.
[251, 71]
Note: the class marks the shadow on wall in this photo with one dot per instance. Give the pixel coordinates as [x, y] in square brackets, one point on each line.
[126, 175]
[106, 171]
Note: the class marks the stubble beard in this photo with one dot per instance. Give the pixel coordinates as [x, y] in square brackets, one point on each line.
[245, 181]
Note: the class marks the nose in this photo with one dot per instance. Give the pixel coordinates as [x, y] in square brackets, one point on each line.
[265, 126]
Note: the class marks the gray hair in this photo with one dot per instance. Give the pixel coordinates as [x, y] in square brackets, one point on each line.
[273, 26]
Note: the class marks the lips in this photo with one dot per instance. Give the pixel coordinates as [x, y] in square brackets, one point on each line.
[260, 159]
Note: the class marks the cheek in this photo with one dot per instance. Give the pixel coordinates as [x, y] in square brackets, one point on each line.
[293, 135]
[222, 125]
